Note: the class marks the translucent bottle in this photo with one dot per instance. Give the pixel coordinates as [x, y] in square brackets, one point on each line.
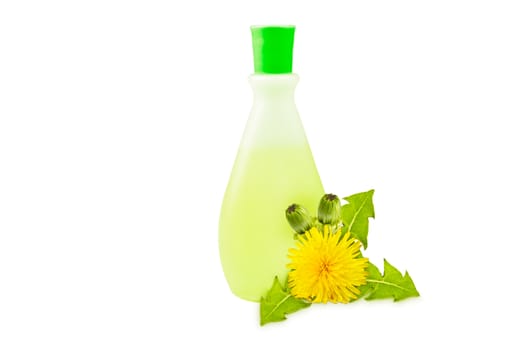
[274, 168]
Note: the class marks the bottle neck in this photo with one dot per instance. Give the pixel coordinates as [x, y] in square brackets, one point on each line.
[274, 119]
[273, 88]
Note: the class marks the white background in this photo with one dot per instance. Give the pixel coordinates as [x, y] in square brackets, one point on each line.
[119, 124]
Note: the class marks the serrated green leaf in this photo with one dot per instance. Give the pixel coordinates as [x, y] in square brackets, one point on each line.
[389, 285]
[279, 302]
[356, 214]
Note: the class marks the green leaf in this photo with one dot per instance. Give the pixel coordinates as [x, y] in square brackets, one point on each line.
[356, 214]
[389, 285]
[279, 302]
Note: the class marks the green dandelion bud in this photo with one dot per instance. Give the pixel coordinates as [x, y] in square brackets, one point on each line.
[329, 210]
[299, 218]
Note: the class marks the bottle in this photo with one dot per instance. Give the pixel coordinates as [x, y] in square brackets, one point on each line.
[274, 168]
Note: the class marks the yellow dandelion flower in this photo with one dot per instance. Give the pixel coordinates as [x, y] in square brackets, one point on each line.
[326, 267]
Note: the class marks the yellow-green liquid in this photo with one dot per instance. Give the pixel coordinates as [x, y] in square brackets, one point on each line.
[254, 234]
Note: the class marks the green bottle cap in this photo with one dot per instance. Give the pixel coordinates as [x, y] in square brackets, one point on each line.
[272, 48]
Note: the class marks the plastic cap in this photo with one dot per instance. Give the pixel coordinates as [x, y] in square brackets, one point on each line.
[272, 47]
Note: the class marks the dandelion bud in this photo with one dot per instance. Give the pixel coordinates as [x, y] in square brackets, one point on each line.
[299, 218]
[329, 210]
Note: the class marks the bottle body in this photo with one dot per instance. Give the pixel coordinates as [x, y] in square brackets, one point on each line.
[274, 168]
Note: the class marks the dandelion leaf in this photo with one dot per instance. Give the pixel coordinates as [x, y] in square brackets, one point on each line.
[356, 213]
[392, 284]
[279, 302]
